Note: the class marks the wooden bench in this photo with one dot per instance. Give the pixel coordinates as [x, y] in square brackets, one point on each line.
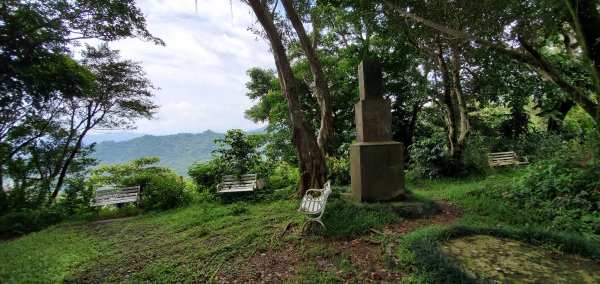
[230, 183]
[107, 195]
[505, 159]
[313, 204]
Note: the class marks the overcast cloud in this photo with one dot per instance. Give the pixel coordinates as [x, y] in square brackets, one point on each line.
[202, 69]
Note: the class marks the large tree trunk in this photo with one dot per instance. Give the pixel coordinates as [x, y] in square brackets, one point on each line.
[462, 115]
[321, 89]
[586, 21]
[311, 159]
[562, 107]
[450, 112]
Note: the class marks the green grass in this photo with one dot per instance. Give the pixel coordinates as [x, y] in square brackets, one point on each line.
[47, 256]
[190, 244]
[187, 244]
[421, 256]
[195, 243]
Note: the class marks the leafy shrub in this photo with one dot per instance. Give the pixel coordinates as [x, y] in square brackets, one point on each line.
[563, 190]
[430, 157]
[283, 176]
[206, 175]
[27, 220]
[164, 191]
[76, 196]
[535, 146]
[475, 159]
[161, 188]
[339, 170]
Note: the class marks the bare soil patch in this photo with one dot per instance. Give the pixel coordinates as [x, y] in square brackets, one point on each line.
[448, 215]
[275, 266]
[368, 257]
[269, 266]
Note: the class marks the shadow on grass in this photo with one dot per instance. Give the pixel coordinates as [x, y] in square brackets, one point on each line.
[347, 220]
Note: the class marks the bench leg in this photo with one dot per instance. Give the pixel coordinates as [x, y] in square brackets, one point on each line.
[310, 220]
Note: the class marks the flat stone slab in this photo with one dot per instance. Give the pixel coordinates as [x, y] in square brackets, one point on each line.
[510, 261]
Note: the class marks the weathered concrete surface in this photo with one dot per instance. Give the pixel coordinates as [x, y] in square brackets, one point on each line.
[377, 171]
[370, 80]
[376, 162]
[373, 120]
[501, 260]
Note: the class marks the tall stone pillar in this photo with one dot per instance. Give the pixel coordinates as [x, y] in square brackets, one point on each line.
[376, 162]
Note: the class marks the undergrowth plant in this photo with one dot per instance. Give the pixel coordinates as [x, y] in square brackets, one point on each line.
[562, 191]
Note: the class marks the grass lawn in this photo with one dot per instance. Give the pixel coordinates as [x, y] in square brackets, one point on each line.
[249, 242]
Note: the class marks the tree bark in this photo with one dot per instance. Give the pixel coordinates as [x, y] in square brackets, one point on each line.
[310, 156]
[450, 110]
[462, 116]
[321, 88]
[563, 108]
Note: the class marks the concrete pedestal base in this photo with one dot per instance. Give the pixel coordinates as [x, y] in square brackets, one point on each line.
[377, 171]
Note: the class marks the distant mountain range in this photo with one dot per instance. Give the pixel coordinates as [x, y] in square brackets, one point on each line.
[116, 137]
[177, 152]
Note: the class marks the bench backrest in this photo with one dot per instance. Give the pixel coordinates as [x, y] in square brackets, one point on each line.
[246, 180]
[108, 191]
[107, 195]
[502, 155]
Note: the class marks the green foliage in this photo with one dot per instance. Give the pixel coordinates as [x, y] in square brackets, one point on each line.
[562, 190]
[20, 222]
[238, 153]
[164, 191]
[206, 175]
[283, 177]
[50, 100]
[161, 188]
[76, 196]
[430, 157]
[339, 166]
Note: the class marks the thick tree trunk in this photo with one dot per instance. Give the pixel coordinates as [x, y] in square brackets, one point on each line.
[463, 117]
[563, 108]
[450, 112]
[321, 88]
[586, 21]
[311, 159]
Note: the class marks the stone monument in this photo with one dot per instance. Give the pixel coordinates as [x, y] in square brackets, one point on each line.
[376, 162]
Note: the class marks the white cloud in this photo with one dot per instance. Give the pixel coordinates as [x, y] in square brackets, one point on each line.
[202, 69]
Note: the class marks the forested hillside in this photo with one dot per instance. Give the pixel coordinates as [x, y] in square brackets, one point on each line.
[177, 152]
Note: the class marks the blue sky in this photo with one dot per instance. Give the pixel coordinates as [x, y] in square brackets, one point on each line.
[201, 72]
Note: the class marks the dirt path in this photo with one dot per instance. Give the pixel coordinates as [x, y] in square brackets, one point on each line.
[370, 258]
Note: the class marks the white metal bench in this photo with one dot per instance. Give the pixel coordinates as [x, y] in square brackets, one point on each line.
[313, 204]
[230, 183]
[505, 159]
[107, 195]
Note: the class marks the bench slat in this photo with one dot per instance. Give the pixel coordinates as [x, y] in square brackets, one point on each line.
[505, 159]
[231, 183]
[107, 195]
